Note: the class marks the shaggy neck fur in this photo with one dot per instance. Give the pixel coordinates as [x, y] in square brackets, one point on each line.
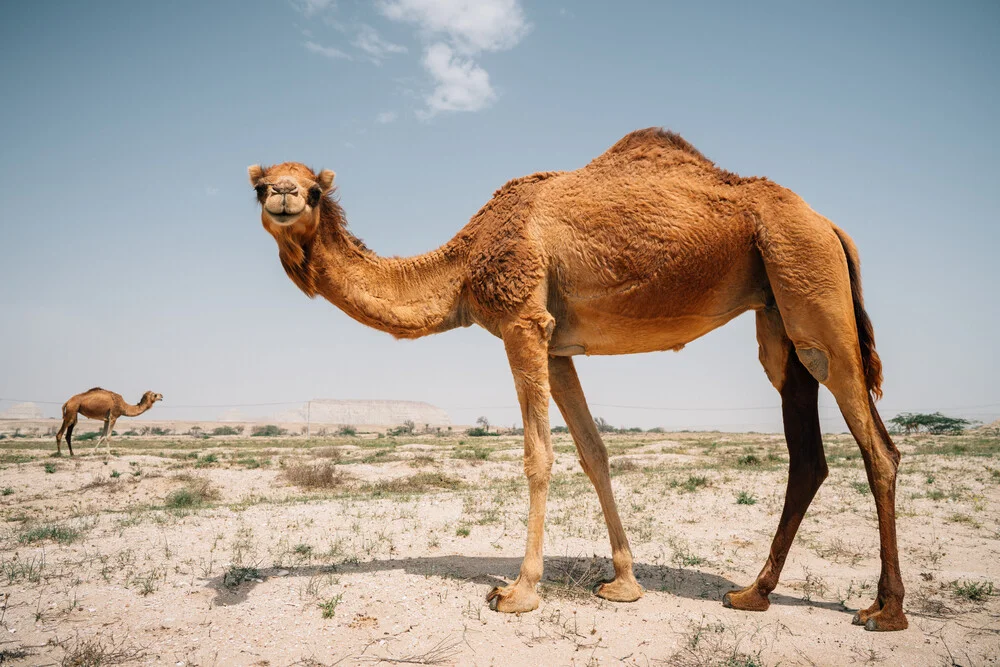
[406, 297]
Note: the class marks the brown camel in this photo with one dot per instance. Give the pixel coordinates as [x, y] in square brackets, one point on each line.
[100, 404]
[646, 248]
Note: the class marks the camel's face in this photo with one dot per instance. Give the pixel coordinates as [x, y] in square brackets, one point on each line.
[152, 397]
[289, 195]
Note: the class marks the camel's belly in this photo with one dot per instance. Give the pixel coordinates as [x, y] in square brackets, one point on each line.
[611, 334]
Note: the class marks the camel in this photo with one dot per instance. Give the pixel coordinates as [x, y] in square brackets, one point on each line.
[646, 248]
[100, 404]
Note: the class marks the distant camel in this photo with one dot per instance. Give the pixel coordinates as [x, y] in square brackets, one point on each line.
[100, 404]
[646, 248]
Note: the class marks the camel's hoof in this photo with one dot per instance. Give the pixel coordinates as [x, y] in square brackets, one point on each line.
[746, 599]
[882, 622]
[619, 590]
[857, 620]
[512, 599]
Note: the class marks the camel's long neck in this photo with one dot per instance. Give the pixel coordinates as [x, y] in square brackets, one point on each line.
[406, 297]
[136, 410]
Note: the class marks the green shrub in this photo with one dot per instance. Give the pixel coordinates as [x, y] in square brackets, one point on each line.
[84, 437]
[347, 430]
[227, 430]
[745, 498]
[269, 431]
[50, 468]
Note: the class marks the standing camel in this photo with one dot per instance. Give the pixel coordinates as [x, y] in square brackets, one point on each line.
[102, 405]
[646, 248]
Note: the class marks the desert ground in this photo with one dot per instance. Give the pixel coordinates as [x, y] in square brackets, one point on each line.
[255, 550]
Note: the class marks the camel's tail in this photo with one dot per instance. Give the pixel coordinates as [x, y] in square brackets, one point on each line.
[870, 361]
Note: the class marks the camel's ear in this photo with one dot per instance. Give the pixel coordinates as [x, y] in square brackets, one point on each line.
[325, 180]
[256, 173]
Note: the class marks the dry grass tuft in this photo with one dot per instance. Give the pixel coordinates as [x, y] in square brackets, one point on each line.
[422, 482]
[195, 493]
[316, 476]
[99, 650]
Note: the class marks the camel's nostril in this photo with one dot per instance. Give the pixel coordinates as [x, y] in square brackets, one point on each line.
[285, 188]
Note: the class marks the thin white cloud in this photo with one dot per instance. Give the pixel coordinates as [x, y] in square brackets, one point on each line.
[460, 84]
[327, 51]
[457, 31]
[385, 117]
[471, 26]
[313, 7]
[369, 41]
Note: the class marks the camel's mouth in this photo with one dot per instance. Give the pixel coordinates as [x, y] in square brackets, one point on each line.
[283, 218]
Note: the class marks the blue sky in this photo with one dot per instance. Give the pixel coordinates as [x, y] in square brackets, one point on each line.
[133, 255]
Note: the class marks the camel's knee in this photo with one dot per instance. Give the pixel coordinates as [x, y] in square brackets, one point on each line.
[815, 361]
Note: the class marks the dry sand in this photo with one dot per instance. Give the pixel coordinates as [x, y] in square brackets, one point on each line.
[390, 558]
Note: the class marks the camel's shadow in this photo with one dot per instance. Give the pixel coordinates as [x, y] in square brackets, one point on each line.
[572, 574]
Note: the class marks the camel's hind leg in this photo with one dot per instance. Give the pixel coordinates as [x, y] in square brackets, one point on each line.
[69, 421]
[806, 461]
[568, 395]
[811, 277]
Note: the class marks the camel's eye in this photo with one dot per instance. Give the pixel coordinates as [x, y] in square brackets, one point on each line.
[314, 194]
[261, 191]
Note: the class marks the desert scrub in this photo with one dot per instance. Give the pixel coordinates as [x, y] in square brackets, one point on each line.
[315, 476]
[49, 467]
[227, 430]
[422, 482]
[236, 575]
[694, 482]
[746, 498]
[58, 533]
[974, 591]
[195, 493]
[474, 453]
[329, 607]
[7, 490]
[84, 437]
[206, 460]
[268, 431]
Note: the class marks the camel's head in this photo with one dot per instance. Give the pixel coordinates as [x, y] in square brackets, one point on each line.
[151, 397]
[290, 195]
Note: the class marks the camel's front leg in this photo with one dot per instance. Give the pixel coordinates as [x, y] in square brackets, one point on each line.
[526, 341]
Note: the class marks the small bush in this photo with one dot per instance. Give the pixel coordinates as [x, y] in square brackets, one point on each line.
[347, 430]
[115, 474]
[227, 430]
[269, 431]
[463, 531]
[975, 591]
[159, 430]
[748, 461]
[745, 498]
[694, 482]
[7, 490]
[475, 453]
[860, 487]
[84, 437]
[206, 460]
[479, 432]
[318, 476]
[193, 494]
[236, 575]
[50, 468]
[329, 607]
[560, 429]
[407, 428]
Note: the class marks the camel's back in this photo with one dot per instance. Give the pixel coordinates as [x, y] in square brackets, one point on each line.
[96, 403]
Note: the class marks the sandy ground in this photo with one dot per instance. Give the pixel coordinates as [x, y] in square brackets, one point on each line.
[254, 551]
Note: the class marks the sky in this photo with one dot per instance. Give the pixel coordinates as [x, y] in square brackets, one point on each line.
[132, 254]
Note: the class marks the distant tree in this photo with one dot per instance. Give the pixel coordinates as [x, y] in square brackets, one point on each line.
[484, 422]
[603, 426]
[935, 422]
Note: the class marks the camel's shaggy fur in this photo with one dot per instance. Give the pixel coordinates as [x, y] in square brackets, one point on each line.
[646, 248]
[101, 404]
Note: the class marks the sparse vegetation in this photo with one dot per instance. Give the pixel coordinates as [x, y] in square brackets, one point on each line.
[56, 532]
[268, 431]
[227, 430]
[974, 591]
[329, 606]
[316, 476]
[195, 493]
[745, 498]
